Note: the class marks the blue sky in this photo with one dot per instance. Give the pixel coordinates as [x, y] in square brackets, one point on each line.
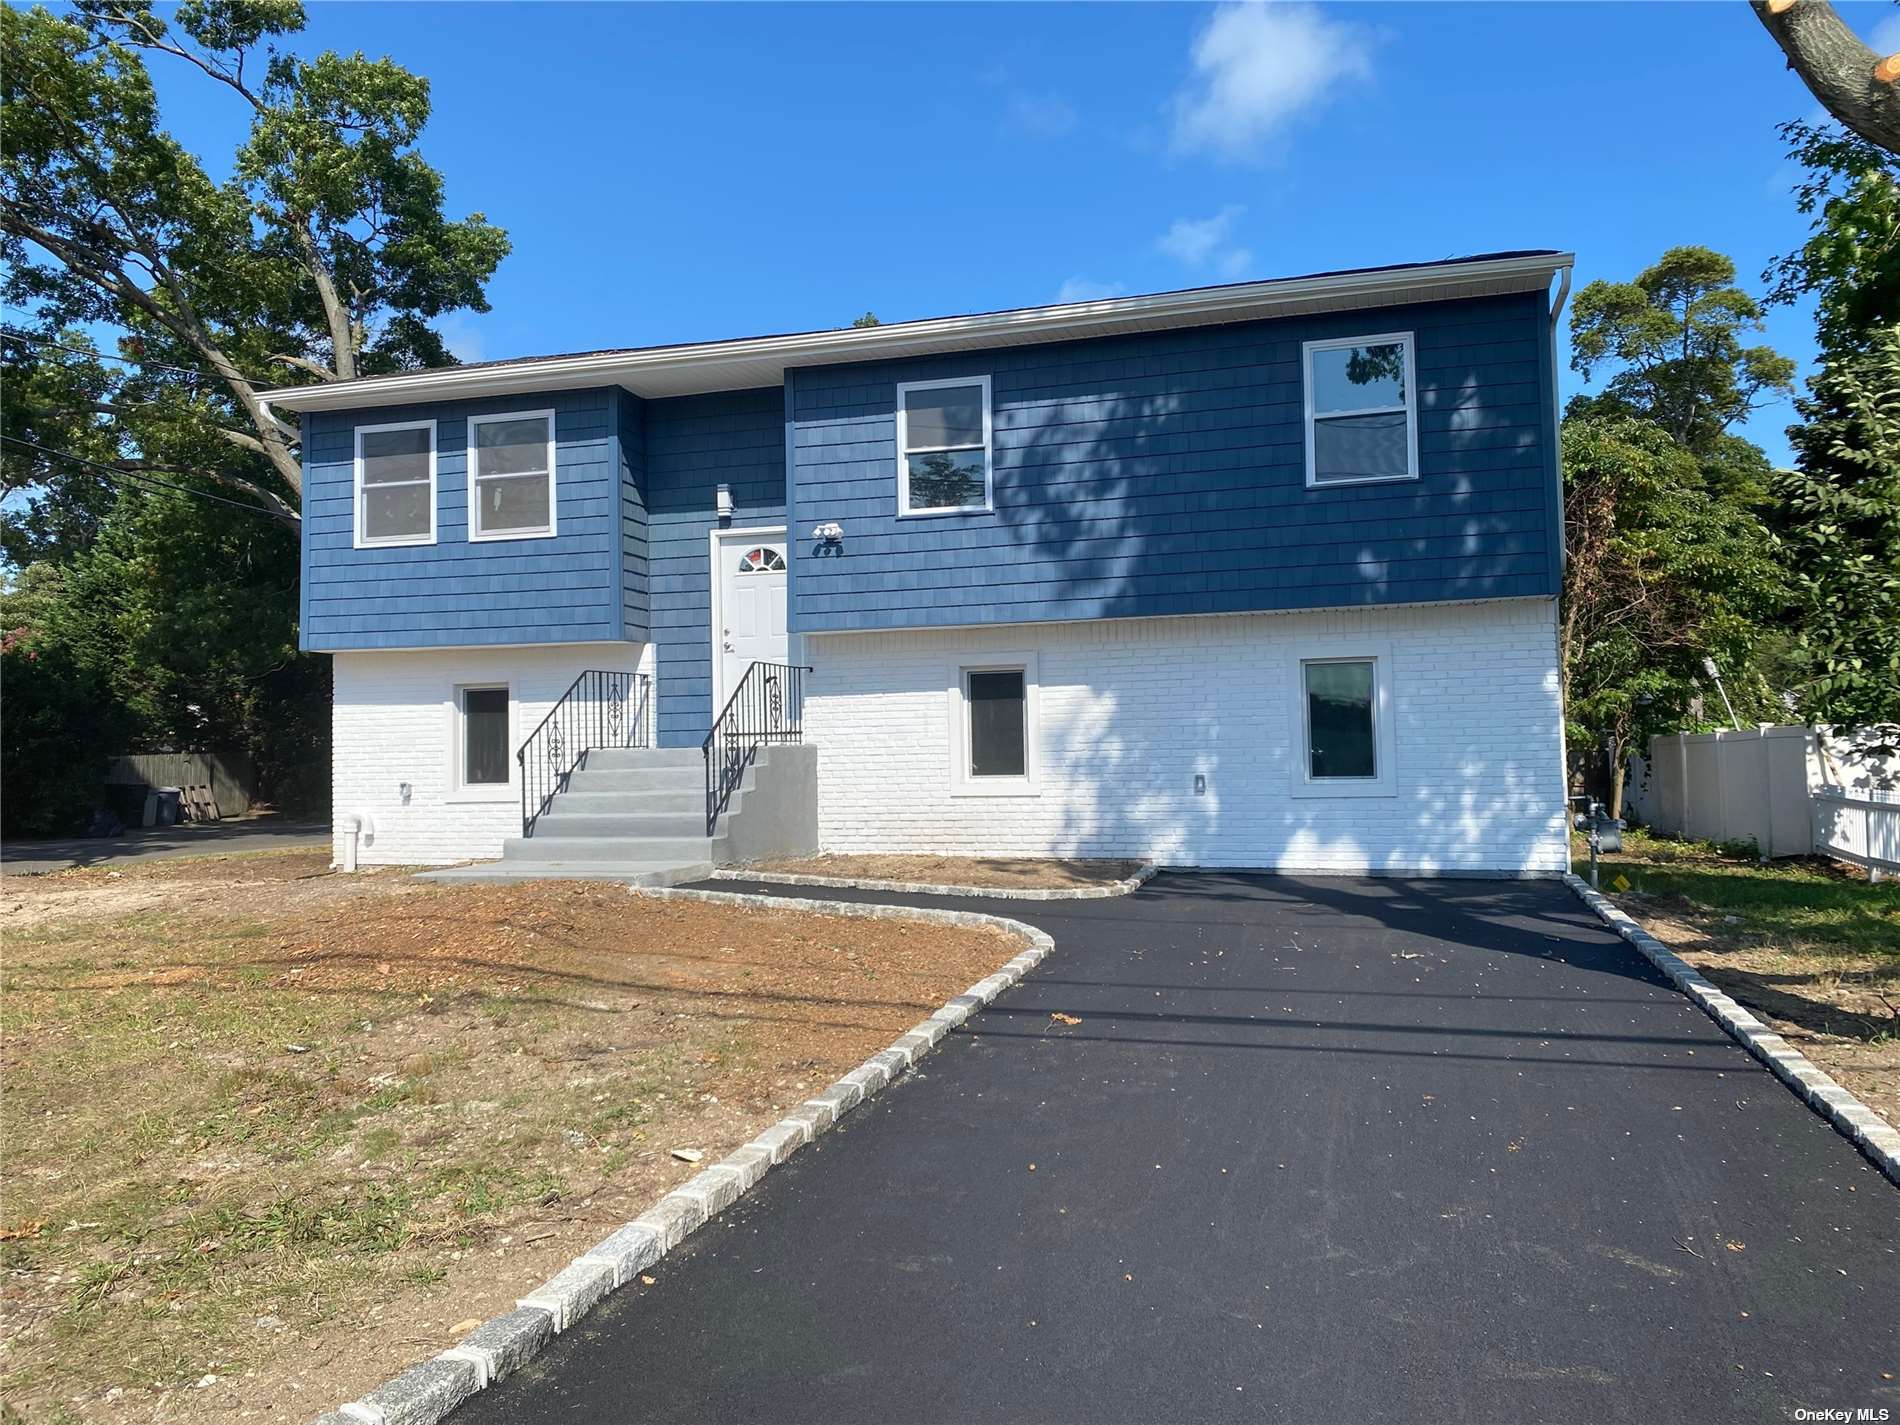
[681, 173]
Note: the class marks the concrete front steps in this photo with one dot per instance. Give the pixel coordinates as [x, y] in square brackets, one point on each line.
[639, 815]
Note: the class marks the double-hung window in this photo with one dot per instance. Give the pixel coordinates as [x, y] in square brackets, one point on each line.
[993, 727]
[943, 446]
[395, 484]
[1361, 409]
[511, 475]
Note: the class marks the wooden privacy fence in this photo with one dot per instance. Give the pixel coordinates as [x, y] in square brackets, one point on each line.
[226, 779]
[1775, 786]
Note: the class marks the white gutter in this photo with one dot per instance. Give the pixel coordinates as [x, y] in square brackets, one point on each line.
[1053, 323]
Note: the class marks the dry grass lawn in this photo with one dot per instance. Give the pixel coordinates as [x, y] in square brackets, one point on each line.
[1003, 872]
[1809, 945]
[272, 1133]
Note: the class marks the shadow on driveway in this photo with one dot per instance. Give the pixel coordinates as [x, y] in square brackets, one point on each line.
[1319, 1149]
[265, 832]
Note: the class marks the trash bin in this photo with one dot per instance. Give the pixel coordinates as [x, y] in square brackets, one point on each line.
[168, 800]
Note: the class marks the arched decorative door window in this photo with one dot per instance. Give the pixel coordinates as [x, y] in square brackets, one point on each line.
[762, 560]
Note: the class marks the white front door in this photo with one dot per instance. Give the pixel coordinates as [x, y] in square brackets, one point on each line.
[748, 607]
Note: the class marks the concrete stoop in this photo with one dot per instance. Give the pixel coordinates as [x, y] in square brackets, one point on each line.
[639, 816]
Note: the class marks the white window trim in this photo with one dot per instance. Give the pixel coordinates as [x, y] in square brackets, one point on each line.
[475, 536]
[1410, 407]
[904, 450]
[1385, 750]
[362, 541]
[462, 792]
[962, 784]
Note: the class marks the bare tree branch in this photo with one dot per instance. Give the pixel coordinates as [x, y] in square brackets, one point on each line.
[342, 329]
[1853, 83]
[147, 39]
[302, 363]
[344, 334]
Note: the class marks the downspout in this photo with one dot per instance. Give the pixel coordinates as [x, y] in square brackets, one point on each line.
[1557, 475]
[1556, 417]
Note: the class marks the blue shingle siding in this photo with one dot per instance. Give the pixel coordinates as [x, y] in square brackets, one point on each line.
[694, 444]
[630, 414]
[574, 587]
[1165, 474]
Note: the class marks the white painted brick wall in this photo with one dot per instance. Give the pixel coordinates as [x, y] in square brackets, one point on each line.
[1132, 709]
[393, 720]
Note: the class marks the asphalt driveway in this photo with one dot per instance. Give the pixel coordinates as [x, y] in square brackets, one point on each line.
[265, 832]
[1319, 1149]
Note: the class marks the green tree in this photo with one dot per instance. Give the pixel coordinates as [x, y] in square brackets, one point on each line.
[1673, 341]
[61, 712]
[1837, 513]
[1850, 263]
[1669, 561]
[869, 319]
[151, 603]
[1838, 521]
[324, 256]
[1660, 576]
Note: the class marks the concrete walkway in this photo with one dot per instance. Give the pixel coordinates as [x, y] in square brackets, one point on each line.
[250, 833]
[1318, 1150]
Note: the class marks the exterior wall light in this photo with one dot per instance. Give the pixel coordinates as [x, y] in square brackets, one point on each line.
[724, 504]
[831, 532]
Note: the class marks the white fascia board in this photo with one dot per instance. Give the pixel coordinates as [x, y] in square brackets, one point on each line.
[762, 361]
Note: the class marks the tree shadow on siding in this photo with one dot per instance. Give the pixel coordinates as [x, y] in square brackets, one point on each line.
[1213, 532]
[1146, 499]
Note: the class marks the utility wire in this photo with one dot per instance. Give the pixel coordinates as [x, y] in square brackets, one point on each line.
[13, 333]
[139, 476]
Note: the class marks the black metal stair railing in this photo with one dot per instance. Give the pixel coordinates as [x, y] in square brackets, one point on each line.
[768, 706]
[603, 709]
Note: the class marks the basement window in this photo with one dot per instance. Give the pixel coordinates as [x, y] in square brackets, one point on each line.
[998, 704]
[511, 476]
[1341, 729]
[1342, 714]
[993, 718]
[1361, 410]
[484, 737]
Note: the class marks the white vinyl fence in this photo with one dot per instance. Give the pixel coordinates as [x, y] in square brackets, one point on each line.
[1858, 825]
[1793, 791]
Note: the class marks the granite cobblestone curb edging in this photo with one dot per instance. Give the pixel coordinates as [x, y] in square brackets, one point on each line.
[1871, 1133]
[1123, 887]
[425, 1393]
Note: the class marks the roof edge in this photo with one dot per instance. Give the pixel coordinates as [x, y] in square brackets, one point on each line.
[1056, 322]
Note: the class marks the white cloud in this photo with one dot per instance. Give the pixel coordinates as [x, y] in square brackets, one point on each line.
[1885, 36]
[1040, 116]
[1256, 66]
[1087, 289]
[1207, 244]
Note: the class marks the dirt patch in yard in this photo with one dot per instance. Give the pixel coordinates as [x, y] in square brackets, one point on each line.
[273, 1133]
[1810, 946]
[1003, 872]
